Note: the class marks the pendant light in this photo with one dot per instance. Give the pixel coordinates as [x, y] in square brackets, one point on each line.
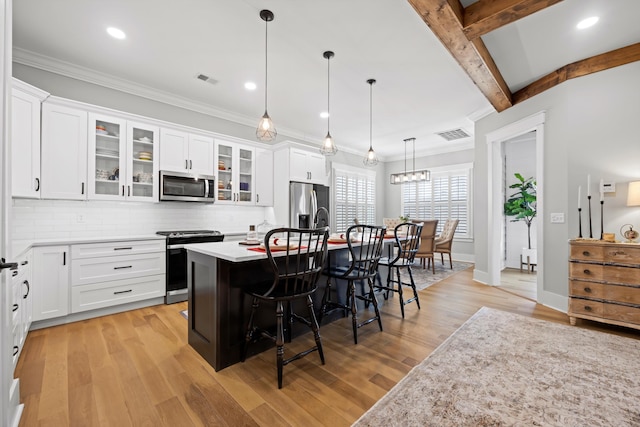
[413, 175]
[266, 131]
[328, 146]
[371, 159]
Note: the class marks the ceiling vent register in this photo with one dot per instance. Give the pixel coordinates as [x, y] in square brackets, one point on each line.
[206, 78]
[452, 135]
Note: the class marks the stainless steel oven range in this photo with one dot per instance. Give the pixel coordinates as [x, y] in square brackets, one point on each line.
[177, 259]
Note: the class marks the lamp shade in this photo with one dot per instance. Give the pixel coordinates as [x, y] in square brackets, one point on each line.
[633, 195]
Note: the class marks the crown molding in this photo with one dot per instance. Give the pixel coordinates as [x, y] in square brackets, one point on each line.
[89, 75]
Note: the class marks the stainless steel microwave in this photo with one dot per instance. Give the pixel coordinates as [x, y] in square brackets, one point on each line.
[185, 187]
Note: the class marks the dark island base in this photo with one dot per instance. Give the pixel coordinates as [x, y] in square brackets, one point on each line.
[219, 309]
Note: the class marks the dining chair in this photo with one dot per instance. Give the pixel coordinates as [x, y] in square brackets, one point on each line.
[407, 237]
[445, 240]
[427, 243]
[296, 270]
[365, 251]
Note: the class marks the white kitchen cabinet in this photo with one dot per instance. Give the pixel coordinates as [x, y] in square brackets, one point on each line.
[307, 166]
[264, 177]
[108, 274]
[64, 151]
[235, 173]
[50, 285]
[21, 305]
[122, 159]
[186, 152]
[25, 139]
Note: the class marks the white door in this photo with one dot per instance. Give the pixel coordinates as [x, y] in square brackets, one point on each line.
[201, 155]
[64, 152]
[174, 149]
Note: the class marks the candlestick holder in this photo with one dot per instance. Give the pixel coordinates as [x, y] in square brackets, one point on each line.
[590, 228]
[601, 220]
[580, 223]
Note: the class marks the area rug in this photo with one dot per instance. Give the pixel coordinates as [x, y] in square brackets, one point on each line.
[503, 369]
[424, 278]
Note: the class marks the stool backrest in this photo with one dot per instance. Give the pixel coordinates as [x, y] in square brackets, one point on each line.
[407, 237]
[299, 260]
[365, 255]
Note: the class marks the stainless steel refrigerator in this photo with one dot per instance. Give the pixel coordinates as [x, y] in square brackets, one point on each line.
[304, 201]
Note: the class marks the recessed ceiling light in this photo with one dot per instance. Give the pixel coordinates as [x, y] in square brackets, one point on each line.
[324, 115]
[250, 86]
[116, 33]
[586, 23]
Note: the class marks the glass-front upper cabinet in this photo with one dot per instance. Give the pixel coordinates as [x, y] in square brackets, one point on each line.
[122, 159]
[235, 173]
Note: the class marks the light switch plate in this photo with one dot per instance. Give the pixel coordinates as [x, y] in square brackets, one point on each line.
[557, 218]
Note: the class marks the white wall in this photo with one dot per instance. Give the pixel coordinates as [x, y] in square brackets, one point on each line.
[520, 157]
[589, 128]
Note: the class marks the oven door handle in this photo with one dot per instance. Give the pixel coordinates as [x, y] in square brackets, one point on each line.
[175, 247]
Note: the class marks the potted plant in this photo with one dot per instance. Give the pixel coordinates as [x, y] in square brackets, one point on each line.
[522, 206]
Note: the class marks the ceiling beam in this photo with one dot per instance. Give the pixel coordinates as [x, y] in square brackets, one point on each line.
[484, 16]
[445, 18]
[580, 68]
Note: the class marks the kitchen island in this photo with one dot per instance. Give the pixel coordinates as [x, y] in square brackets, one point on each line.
[218, 308]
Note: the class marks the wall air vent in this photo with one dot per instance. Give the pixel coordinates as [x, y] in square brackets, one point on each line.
[206, 78]
[452, 135]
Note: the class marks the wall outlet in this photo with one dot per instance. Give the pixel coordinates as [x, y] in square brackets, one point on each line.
[557, 218]
[80, 218]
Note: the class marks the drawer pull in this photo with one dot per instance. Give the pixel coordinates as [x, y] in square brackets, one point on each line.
[586, 271]
[586, 253]
[15, 307]
[587, 308]
[123, 292]
[128, 248]
[587, 289]
[123, 267]
[15, 349]
[616, 253]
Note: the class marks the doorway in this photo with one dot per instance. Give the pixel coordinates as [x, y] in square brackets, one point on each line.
[519, 261]
[495, 185]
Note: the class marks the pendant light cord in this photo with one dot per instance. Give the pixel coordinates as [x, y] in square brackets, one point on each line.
[328, 93]
[405, 157]
[371, 116]
[266, 68]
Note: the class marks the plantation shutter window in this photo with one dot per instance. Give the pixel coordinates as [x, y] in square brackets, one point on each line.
[354, 196]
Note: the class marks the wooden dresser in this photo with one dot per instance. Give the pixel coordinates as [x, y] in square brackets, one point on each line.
[604, 282]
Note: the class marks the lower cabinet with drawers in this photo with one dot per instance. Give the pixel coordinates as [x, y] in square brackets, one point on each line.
[604, 282]
[107, 274]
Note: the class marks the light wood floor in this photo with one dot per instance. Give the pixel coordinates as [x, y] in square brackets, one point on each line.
[521, 283]
[136, 368]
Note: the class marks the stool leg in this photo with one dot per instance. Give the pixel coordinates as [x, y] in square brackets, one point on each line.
[354, 310]
[413, 286]
[279, 340]
[400, 296]
[375, 304]
[289, 323]
[249, 335]
[315, 328]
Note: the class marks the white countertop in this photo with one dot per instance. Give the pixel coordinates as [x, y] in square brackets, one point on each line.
[21, 246]
[234, 252]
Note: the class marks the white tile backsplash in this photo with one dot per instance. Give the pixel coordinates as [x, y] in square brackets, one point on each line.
[51, 219]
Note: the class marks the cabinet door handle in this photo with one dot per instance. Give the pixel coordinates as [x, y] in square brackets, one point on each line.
[586, 253]
[257, 198]
[190, 164]
[128, 191]
[123, 191]
[37, 184]
[24, 262]
[123, 292]
[15, 307]
[587, 289]
[128, 248]
[82, 188]
[26, 282]
[15, 349]
[186, 164]
[123, 267]
[64, 258]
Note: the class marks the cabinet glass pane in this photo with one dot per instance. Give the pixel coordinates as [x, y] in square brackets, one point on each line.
[144, 150]
[225, 183]
[246, 177]
[108, 154]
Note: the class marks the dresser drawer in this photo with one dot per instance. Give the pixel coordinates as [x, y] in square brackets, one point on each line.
[586, 271]
[93, 250]
[626, 294]
[100, 295]
[94, 270]
[587, 253]
[622, 313]
[583, 306]
[624, 275]
[579, 288]
[622, 254]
